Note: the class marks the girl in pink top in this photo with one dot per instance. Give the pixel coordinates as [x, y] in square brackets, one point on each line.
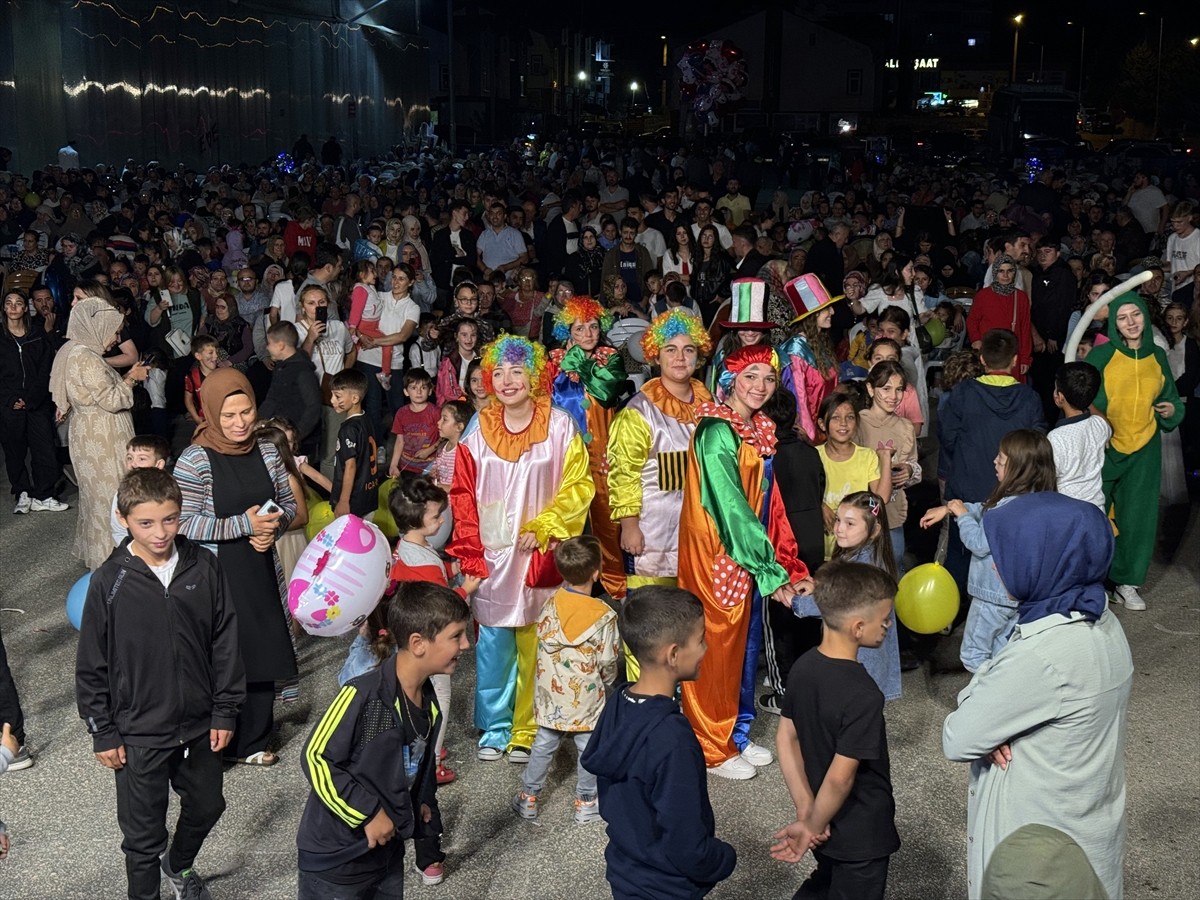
[365, 310]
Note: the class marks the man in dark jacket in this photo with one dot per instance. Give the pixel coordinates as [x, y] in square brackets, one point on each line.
[295, 393]
[976, 415]
[453, 248]
[1054, 296]
[561, 239]
[159, 682]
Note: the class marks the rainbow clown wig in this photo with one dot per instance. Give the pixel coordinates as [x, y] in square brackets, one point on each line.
[743, 357]
[580, 309]
[671, 324]
[509, 349]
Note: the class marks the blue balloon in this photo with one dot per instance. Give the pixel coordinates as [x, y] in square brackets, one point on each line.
[75, 597]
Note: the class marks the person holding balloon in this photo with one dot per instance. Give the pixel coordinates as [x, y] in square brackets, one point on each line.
[522, 481]
[735, 548]
[236, 502]
[1024, 464]
[587, 379]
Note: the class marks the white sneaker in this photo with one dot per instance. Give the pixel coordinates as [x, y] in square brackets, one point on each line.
[23, 504]
[735, 769]
[757, 755]
[489, 754]
[48, 505]
[1127, 594]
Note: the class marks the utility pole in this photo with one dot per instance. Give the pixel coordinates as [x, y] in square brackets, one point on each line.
[450, 73]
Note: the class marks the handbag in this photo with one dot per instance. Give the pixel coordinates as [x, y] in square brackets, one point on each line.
[542, 571]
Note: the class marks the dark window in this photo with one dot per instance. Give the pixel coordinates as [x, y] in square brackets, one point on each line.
[854, 78]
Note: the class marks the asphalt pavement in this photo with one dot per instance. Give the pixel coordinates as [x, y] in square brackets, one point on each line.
[66, 844]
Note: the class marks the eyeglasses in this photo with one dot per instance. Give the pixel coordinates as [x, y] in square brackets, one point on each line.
[247, 280]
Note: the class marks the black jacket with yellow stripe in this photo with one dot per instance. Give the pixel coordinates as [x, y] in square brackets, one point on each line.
[354, 761]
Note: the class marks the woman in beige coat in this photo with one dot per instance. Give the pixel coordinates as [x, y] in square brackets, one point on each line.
[98, 402]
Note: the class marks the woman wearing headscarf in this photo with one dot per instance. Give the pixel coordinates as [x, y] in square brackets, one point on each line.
[226, 476]
[1043, 722]
[1003, 305]
[99, 403]
[412, 235]
[587, 379]
[585, 269]
[735, 549]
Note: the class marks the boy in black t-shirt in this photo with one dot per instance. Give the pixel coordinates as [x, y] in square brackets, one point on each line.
[355, 462]
[832, 744]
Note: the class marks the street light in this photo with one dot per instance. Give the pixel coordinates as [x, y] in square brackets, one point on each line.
[582, 76]
[1082, 35]
[633, 86]
[1017, 20]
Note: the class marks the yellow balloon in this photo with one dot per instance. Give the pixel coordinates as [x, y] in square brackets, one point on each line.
[927, 600]
[319, 515]
[383, 519]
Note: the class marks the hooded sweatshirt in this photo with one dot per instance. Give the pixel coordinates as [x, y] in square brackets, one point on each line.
[1132, 382]
[654, 797]
[577, 656]
[977, 414]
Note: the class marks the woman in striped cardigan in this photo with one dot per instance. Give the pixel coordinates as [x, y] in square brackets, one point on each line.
[226, 476]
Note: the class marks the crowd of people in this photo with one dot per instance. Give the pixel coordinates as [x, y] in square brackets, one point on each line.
[637, 418]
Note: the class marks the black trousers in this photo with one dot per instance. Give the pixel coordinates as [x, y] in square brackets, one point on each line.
[255, 721]
[787, 638]
[834, 879]
[385, 883]
[195, 773]
[30, 432]
[10, 703]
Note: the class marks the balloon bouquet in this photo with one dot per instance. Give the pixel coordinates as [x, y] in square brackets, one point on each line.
[712, 74]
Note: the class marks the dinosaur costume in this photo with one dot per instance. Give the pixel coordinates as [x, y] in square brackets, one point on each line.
[1131, 383]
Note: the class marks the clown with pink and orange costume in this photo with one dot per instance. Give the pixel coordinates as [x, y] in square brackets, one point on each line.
[587, 380]
[521, 483]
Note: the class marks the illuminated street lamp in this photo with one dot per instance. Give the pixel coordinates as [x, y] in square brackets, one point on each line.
[1017, 20]
[633, 86]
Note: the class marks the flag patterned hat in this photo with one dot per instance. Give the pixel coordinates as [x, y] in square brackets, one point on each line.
[748, 306]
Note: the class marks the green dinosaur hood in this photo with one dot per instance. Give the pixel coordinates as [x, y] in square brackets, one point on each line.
[1114, 335]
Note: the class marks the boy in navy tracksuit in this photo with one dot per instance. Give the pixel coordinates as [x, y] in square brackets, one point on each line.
[662, 842]
[976, 415]
[159, 681]
[371, 763]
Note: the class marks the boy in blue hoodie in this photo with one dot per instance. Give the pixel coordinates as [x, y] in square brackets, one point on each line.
[662, 842]
[976, 415]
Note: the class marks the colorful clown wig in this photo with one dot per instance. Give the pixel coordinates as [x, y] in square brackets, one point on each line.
[671, 324]
[509, 349]
[740, 359]
[580, 309]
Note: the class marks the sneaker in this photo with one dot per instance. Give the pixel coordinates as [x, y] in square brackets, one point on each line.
[489, 754]
[445, 774]
[771, 703]
[385, 381]
[757, 755]
[23, 504]
[23, 760]
[1127, 594]
[525, 805]
[187, 884]
[735, 768]
[431, 874]
[587, 811]
[48, 505]
[518, 755]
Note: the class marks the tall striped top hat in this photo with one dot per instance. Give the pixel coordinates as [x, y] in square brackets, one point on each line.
[807, 296]
[748, 305]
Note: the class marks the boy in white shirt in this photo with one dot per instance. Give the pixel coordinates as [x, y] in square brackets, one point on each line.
[1080, 437]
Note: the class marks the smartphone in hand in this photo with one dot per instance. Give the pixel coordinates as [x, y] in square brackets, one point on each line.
[269, 508]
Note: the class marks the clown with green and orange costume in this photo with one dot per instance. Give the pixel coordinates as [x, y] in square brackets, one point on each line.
[587, 379]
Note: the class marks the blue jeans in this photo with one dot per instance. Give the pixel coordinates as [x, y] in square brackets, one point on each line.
[545, 745]
[988, 629]
[375, 405]
[360, 660]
